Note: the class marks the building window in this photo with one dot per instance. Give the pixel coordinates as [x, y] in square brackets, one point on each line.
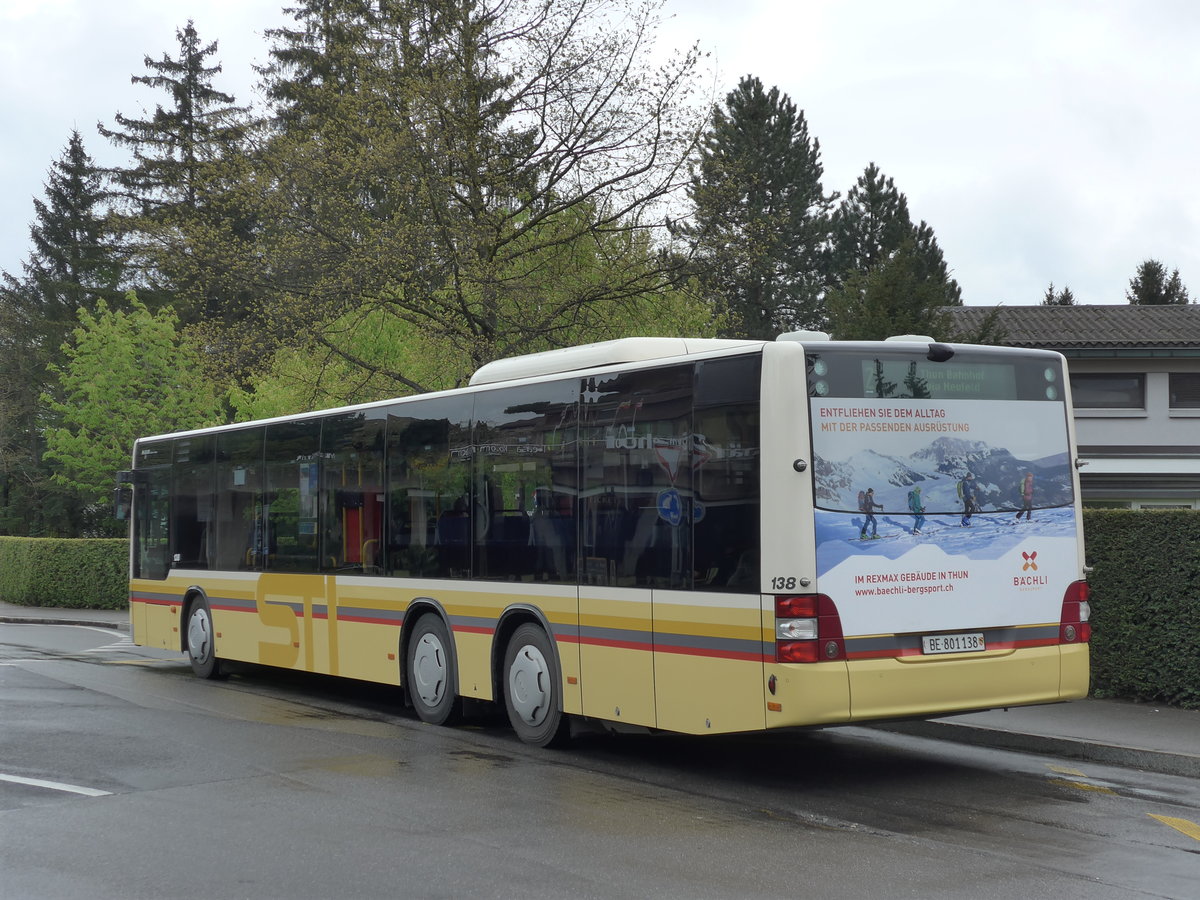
[1112, 391]
[1185, 390]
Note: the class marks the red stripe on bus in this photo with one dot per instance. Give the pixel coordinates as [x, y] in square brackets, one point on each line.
[156, 601]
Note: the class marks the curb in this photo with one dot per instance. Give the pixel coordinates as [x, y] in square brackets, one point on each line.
[61, 620]
[1158, 761]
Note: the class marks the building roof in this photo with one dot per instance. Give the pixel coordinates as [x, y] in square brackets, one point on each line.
[1088, 328]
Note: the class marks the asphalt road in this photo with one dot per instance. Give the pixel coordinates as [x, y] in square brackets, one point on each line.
[123, 776]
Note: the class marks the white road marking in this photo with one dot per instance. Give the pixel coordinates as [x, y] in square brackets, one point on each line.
[55, 786]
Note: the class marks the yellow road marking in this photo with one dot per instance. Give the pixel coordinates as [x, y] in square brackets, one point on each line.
[1062, 770]
[1099, 789]
[1191, 829]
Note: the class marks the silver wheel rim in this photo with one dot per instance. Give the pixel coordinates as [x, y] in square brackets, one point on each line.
[429, 670]
[529, 685]
[199, 635]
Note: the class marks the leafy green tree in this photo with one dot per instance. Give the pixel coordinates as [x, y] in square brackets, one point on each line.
[870, 226]
[1152, 287]
[761, 214]
[127, 374]
[893, 297]
[173, 188]
[350, 358]
[1058, 298]
[448, 162]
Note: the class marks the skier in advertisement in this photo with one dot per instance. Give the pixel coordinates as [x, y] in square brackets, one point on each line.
[917, 508]
[1026, 498]
[966, 493]
[867, 505]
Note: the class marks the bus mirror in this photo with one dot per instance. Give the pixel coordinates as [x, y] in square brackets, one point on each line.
[122, 503]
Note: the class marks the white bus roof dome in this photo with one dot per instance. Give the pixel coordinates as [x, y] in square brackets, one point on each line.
[604, 353]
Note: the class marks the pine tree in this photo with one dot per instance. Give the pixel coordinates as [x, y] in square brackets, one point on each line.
[1151, 286]
[1058, 298]
[73, 262]
[71, 267]
[895, 296]
[171, 148]
[175, 186]
[869, 227]
[761, 215]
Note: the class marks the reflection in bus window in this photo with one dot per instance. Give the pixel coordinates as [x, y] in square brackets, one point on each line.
[239, 528]
[429, 460]
[725, 459]
[352, 492]
[525, 461]
[636, 492]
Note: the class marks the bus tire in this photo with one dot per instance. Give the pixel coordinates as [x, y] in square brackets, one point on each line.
[429, 670]
[201, 641]
[531, 689]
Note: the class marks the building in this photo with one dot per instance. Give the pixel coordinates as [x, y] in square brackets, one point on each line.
[1135, 385]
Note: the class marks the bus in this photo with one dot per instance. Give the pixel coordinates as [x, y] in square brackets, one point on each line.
[699, 536]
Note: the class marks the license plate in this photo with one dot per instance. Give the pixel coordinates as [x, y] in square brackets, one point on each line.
[953, 643]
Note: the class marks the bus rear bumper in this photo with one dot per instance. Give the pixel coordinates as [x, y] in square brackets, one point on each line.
[923, 686]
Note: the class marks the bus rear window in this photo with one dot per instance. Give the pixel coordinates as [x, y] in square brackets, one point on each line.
[968, 375]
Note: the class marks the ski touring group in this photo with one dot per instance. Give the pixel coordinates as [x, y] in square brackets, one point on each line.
[968, 496]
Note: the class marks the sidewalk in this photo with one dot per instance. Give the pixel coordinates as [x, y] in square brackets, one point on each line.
[47, 615]
[1116, 732]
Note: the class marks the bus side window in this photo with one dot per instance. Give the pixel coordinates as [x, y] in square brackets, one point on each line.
[192, 502]
[429, 502]
[291, 495]
[240, 532]
[525, 473]
[352, 492]
[726, 459]
[636, 483]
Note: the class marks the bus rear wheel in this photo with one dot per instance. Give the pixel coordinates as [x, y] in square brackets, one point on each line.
[430, 671]
[201, 646]
[531, 689]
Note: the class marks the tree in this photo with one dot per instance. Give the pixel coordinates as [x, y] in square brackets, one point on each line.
[761, 215]
[126, 374]
[71, 267]
[446, 161]
[1151, 286]
[173, 188]
[893, 297]
[73, 263]
[870, 226]
[1058, 298]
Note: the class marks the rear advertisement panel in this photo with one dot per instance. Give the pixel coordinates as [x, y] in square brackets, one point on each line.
[943, 515]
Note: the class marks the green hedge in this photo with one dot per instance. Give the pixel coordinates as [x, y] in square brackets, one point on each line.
[76, 573]
[1145, 588]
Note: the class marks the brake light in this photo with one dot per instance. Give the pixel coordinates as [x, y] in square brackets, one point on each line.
[1074, 627]
[808, 629]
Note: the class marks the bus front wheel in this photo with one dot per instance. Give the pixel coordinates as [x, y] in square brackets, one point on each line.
[201, 649]
[531, 689]
[430, 671]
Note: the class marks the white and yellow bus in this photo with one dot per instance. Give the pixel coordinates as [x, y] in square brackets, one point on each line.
[699, 536]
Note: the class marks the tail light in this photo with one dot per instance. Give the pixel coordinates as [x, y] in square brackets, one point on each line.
[808, 629]
[1074, 627]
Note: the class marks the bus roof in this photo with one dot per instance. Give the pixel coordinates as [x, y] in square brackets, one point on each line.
[604, 353]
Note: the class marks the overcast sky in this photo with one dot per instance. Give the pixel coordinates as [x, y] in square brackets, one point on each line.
[1049, 141]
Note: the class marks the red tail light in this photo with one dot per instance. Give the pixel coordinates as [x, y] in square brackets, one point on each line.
[808, 629]
[1074, 627]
